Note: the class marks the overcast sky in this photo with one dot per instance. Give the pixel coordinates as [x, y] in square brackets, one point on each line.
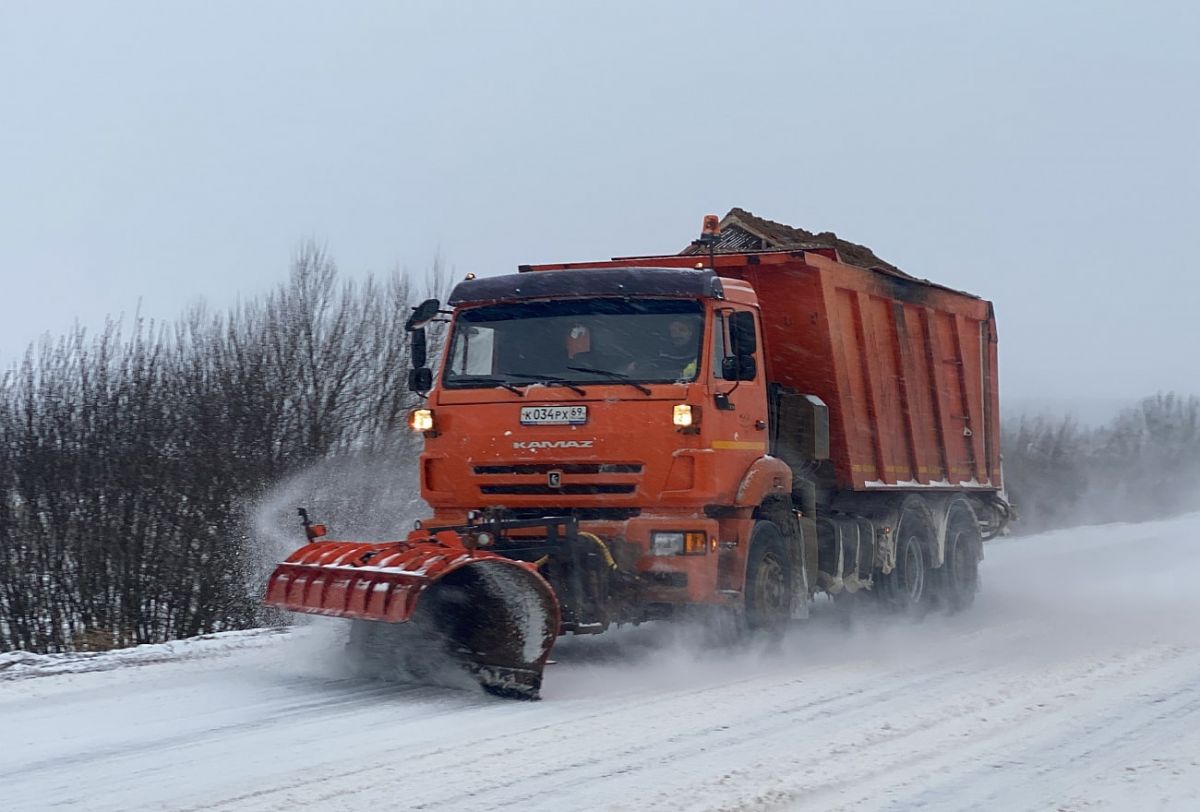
[1045, 155]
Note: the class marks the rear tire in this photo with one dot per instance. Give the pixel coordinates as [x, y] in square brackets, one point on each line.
[959, 575]
[768, 580]
[907, 587]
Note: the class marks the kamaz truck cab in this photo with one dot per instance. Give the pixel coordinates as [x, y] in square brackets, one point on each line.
[631, 400]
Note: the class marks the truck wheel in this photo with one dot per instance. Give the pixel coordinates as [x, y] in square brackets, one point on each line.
[907, 586]
[768, 579]
[960, 572]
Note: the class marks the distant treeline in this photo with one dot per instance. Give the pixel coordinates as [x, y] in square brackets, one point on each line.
[1144, 464]
[131, 460]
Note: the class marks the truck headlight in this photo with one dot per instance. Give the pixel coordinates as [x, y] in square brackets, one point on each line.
[421, 420]
[682, 415]
[678, 542]
[666, 543]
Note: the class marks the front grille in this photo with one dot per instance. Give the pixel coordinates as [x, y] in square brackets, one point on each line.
[577, 478]
[598, 514]
[675, 580]
[564, 490]
[566, 468]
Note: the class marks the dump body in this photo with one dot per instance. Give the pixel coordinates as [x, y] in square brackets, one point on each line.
[907, 368]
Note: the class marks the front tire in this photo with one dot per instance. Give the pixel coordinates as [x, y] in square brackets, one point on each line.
[768, 580]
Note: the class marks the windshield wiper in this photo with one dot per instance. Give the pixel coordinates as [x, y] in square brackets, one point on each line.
[616, 376]
[493, 382]
[550, 380]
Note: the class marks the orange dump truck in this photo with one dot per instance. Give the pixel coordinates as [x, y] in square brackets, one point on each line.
[727, 432]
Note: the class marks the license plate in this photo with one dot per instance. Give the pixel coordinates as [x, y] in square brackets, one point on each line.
[553, 415]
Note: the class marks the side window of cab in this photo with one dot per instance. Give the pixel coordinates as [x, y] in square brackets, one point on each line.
[734, 346]
[720, 342]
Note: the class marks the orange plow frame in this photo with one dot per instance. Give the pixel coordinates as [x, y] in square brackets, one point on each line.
[496, 615]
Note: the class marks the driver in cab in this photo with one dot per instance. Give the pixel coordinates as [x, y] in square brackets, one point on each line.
[679, 358]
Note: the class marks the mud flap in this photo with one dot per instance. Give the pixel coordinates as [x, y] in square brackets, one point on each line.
[799, 607]
[799, 586]
[496, 617]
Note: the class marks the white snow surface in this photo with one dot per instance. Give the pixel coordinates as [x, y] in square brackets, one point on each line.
[1073, 684]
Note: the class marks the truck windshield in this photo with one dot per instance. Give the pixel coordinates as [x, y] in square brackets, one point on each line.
[576, 341]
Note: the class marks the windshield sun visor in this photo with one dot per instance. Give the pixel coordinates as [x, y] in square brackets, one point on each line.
[590, 282]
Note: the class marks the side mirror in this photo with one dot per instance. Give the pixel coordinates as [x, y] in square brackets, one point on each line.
[739, 368]
[423, 314]
[747, 368]
[420, 379]
[741, 333]
[420, 354]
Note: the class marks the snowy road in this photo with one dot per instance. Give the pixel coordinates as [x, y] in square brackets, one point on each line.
[1073, 684]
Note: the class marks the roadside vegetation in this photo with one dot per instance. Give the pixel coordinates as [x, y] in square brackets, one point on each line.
[136, 464]
[1142, 465]
[131, 460]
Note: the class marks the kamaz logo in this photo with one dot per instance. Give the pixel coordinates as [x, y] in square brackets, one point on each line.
[533, 444]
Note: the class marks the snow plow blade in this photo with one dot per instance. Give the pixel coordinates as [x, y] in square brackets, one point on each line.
[495, 616]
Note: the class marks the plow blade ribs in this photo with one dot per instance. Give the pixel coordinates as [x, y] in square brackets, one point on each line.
[496, 617]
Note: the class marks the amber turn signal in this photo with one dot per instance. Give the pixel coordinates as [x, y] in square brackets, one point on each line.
[694, 543]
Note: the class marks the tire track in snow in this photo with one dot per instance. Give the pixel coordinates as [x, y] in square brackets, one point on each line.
[1087, 745]
[281, 716]
[657, 720]
[1051, 689]
[898, 752]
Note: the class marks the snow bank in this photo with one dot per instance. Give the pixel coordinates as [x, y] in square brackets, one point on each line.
[25, 664]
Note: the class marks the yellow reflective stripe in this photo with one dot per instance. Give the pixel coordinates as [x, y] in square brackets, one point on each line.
[739, 445]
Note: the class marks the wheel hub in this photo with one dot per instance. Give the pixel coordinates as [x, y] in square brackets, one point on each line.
[769, 586]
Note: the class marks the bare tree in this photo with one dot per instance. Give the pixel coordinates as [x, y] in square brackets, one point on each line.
[1145, 464]
[131, 461]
